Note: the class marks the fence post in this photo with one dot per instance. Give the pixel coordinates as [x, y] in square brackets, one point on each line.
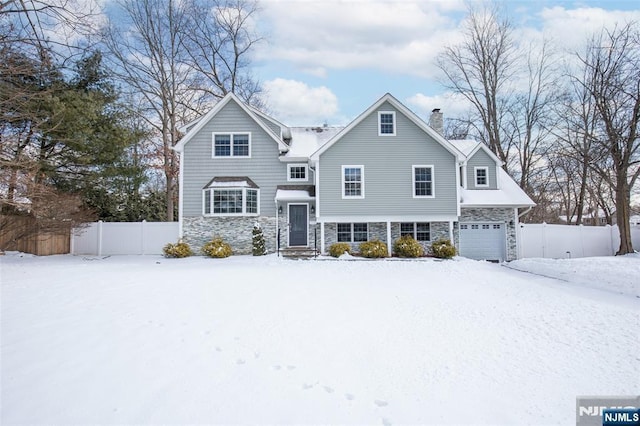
[582, 238]
[544, 239]
[99, 238]
[142, 230]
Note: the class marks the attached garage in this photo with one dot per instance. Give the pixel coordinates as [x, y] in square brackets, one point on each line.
[483, 241]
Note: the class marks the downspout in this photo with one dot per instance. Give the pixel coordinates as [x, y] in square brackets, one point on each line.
[525, 212]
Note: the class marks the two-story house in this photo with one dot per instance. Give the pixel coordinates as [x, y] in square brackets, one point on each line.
[386, 174]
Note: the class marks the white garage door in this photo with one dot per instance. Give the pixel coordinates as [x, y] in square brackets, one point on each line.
[482, 241]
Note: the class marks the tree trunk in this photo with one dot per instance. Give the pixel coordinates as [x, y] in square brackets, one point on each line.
[622, 217]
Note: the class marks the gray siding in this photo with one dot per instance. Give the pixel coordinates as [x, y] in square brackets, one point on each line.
[263, 167]
[388, 173]
[270, 124]
[481, 159]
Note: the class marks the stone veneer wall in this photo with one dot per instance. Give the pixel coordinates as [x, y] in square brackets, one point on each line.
[378, 230]
[235, 230]
[504, 215]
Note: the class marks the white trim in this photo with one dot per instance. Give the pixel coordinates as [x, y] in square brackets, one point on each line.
[388, 218]
[244, 202]
[352, 241]
[231, 142]
[486, 176]
[289, 223]
[322, 241]
[464, 175]
[180, 196]
[353, 197]
[498, 167]
[316, 182]
[306, 172]
[216, 108]
[393, 116]
[415, 230]
[406, 112]
[413, 180]
[389, 244]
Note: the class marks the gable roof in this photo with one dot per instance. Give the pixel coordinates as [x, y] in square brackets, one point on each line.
[216, 108]
[401, 108]
[469, 147]
[509, 195]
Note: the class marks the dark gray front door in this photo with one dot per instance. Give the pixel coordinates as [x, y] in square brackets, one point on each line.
[297, 224]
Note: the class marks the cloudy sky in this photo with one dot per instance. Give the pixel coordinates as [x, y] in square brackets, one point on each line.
[326, 61]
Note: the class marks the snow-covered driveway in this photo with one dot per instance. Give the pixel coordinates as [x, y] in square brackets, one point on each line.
[147, 340]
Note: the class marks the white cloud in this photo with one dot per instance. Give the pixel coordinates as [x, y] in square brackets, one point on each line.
[571, 28]
[296, 104]
[450, 104]
[391, 36]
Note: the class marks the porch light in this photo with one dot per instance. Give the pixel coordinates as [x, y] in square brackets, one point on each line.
[313, 210]
[280, 210]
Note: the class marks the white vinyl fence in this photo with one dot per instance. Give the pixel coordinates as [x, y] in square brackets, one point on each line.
[107, 238]
[566, 241]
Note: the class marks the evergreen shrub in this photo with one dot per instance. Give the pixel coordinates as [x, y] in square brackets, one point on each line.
[217, 248]
[258, 243]
[338, 249]
[177, 250]
[374, 249]
[443, 249]
[407, 246]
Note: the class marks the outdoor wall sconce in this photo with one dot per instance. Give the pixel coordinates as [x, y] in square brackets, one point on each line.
[280, 210]
[313, 210]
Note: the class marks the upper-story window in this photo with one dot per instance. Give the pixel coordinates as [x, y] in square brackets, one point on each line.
[352, 181]
[386, 123]
[482, 176]
[423, 182]
[231, 145]
[297, 172]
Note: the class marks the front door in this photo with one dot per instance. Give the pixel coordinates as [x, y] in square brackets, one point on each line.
[298, 224]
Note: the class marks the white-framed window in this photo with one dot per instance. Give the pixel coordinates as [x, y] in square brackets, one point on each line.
[352, 181]
[482, 176]
[386, 123]
[352, 232]
[231, 201]
[420, 231]
[297, 172]
[231, 145]
[423, 186]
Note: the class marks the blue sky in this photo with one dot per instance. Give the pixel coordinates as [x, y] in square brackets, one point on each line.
[328, 60]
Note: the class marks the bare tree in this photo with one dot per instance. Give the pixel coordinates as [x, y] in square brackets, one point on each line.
[612, 70]
[218, 42]
[150, 60]
[179, 57]
[481, 69]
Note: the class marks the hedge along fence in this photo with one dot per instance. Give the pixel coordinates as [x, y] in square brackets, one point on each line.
[565, 241]
[21, 233]
[111, 238]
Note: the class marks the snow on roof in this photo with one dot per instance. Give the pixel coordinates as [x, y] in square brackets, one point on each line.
[231, 181]
[306, 140]
[466, 146]
[509, 194]
[295, 192]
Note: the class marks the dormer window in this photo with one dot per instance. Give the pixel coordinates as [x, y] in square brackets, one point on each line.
[482, 176]
[386, 123]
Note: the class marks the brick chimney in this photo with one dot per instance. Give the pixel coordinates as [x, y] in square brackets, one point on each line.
[436, 121]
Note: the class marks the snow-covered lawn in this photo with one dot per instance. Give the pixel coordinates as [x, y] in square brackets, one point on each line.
[143, 339]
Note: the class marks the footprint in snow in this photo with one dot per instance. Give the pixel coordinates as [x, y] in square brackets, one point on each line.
[380, 403]
[386, 422]
[240, 361]
[277, 367]
[328, 389]
[349, 396]
[307, 386]
[218, 349]
[256, 355]
[291, 367]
